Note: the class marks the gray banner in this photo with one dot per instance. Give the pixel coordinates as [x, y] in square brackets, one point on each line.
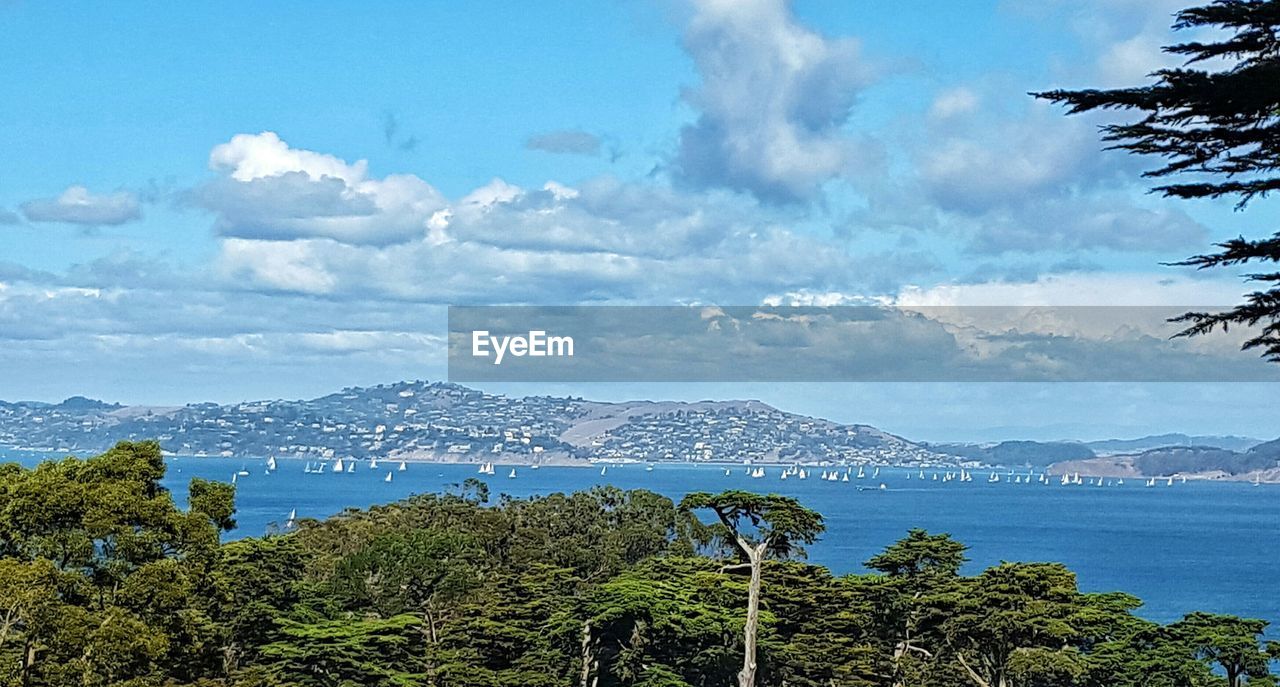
[843, 343]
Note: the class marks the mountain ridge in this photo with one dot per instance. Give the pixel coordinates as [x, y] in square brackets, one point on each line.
[449, 422]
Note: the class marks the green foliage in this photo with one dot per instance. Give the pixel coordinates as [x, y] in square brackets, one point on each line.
[780, 523]
[104, 581]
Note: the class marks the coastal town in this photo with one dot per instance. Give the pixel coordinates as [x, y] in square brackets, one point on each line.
[447, 422]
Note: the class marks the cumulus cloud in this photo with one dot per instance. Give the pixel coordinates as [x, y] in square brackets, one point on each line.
[269, 190]
[569, 142]
[773, 99]
[77, 205]
[1023, 181]
[304, 222]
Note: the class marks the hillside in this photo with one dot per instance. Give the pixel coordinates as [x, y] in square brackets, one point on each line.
[1018, 453]
[1128, 446]
[448, 422]
[1207, 462]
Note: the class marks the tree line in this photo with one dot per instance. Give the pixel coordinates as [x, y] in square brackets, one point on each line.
[104, 580]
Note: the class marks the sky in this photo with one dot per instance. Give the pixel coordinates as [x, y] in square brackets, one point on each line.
[230, 201]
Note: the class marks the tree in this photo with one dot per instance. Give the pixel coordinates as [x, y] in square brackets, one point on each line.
[1227, 641]
[758, 526]
[1219, 130]
[1013, 619]
[346, 653]
[918, 568]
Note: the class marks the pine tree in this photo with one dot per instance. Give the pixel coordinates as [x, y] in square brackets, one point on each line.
[1218, 134]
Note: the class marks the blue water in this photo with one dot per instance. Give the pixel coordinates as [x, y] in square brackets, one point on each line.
[1208, 546]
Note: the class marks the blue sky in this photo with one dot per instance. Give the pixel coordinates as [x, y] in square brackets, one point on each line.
[238, 200]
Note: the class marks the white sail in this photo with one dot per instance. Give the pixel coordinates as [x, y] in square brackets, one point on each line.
[271, 463]
[373, 463]
[351, 467]
[513, 473]
[389, 476]
[338, 466]
[403, 467]
[603, 469]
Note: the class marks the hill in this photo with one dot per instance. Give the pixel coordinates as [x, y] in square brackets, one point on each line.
[447, 422]
[1261, 462]
[1018, 453]
[1231, 443]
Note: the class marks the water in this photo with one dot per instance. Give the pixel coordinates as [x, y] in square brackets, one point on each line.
[1205, 546]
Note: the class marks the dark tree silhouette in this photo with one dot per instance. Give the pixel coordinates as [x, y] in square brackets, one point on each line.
[1218, 134]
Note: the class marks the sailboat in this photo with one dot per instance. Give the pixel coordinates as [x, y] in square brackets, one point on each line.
[351, 467]
[234, 477]
[338, 467]
[1257, 480]
[403, 467]
[293, 515]
[513, 474]
[603, 469]
[389, 476]
[373, 463]
[861, 474]
[271, 464]
[845, 478]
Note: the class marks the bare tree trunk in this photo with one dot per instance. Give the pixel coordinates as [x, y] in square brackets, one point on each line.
[747, 676]
[585, 681]
[28, 661]
[973, 674]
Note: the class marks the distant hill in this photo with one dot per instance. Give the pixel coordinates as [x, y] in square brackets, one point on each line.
[448, 422]
[1261, 461]
[1018, 453]
[1230, 443]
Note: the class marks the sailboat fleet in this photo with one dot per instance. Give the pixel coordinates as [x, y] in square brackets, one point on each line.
[340, 467]
[998, 476]
[844, 473]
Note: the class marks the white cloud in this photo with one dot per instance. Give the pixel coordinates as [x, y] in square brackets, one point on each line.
[954, 101]
[309, 223]
[269, 190]
[772, 102]
[1114, 289]
[77, 205]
